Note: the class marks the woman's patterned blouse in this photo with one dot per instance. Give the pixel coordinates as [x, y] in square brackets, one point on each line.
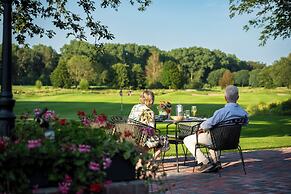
[143, 114]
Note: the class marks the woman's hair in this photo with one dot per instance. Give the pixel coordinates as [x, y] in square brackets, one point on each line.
[147, 97]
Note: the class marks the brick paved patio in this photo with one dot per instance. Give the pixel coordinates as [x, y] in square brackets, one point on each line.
[268, 171]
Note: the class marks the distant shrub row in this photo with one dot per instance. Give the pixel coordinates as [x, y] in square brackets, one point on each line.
[282, 108]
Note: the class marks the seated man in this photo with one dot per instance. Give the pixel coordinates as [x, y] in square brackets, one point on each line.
[230, 111]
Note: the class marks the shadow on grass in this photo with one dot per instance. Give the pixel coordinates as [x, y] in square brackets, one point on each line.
[259, 125]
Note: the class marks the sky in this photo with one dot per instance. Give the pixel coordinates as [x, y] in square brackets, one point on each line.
[170, 24]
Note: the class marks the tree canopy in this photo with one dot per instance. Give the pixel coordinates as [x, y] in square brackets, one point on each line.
[272, 16]
[26, 13]
[138, 66]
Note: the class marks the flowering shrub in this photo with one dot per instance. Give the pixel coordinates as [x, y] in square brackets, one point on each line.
[94, 120]
[76, 159]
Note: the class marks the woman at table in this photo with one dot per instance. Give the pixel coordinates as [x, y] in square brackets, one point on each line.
[142, 113]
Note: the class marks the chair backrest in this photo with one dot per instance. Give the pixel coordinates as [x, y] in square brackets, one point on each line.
[225, 136]
[118, 119]
[186, 130]
[131, 132]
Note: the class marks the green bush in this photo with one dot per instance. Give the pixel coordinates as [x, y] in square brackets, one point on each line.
[194, 85]
[84, 84]
[286, 107]
[283, 108]
[38, 84]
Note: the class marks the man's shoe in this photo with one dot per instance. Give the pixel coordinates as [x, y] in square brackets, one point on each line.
[204, 167]
[214, 168]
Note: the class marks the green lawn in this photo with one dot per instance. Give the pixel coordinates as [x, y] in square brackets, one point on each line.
[264, 131]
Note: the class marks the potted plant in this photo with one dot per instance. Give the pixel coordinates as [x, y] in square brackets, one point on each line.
[79, 157]
[165, 109]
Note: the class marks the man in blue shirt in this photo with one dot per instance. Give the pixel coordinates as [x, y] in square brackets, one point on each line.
[230, 111]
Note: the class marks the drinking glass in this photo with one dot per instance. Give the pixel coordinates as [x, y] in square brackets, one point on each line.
[194, 110]
[187, 113]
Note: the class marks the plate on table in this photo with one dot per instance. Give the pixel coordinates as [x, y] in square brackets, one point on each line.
[177, 118]
[196, 118]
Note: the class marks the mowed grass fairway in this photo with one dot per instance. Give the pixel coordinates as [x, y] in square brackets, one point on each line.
[263, 131]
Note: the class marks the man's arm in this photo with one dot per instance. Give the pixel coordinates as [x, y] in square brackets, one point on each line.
[210, 122]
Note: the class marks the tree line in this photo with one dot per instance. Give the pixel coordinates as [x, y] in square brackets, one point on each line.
[137, 66]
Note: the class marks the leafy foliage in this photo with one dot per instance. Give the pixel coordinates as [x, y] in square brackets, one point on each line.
[226, 79]
[198, 66]
[215, 76]
[80, 67]
[84, 84]
[171, 76]
[75, 160]
[27, 12]
[121, 75]
[281, 108]
[138, 76]
[241, 78]
[60, 77]
[153, 68]
[272, 16]
[38, 84]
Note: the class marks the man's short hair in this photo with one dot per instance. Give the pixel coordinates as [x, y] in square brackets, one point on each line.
[231, 93]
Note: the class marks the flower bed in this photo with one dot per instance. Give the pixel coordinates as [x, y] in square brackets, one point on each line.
[74, 156]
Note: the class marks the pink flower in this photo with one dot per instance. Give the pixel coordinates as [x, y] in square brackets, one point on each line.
[64, 187]
[37, 112]
[68, 179]
[3, 143]
[106, 162]
[86, 122]
[34, 188]
[34, 143]
[101, 120]
[94, 166]
[84, 148]
[108, 182]
[50, 115]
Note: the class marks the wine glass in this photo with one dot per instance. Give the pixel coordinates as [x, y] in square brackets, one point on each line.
[194, 110]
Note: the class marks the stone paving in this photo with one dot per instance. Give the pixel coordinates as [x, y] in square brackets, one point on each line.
[268, 171]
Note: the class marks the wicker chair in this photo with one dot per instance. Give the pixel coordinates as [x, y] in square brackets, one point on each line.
[131, 130]
[224, 136]
[181, 132]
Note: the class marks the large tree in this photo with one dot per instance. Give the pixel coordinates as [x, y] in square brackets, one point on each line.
[29, 14]
[226, 79]
[138, 76]
[80, 67]
[215, 76]
[153, 68]
[280, 71]
[121, 78]
[272, 16]
[171, 76]
[49, 59]
[241, 78]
